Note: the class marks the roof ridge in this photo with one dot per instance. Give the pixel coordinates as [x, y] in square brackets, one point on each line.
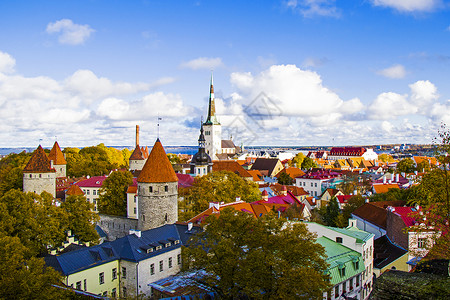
[157, 168]
[56, 155]
[39, 162]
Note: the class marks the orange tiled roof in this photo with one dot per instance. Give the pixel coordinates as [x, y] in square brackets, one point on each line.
[383, 188]
[38, 163]
[137, 154]
[295, 190]
[56, 155]
[157, 168]
[256, 175]
[132, 189]
[230, 165]
[292, 172]
[74, 190]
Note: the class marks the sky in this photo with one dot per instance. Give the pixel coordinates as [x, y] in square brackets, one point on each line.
[287, 72]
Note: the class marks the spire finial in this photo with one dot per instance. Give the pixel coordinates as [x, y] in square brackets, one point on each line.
[159, 119]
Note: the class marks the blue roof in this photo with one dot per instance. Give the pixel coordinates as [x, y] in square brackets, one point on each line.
[130, 247]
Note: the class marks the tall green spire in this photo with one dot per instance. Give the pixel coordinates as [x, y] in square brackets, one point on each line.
[211, 120]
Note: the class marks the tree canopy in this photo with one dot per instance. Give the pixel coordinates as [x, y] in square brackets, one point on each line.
[406, 165]
[238, 255]
[285, 179]
[222, 186]
[297, 160]
[113, 193]
[308, 163]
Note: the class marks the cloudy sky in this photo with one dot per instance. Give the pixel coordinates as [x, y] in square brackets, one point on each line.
[296, 72]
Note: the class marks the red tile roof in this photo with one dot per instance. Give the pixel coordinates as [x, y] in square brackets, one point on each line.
[157, 168]
[185, 180]
[347, 151]
[95, 181]
[74, 190]
[232, 166]
[137, 154]
[56, 155]
[38, 163]
[405, 213]
[343, 198]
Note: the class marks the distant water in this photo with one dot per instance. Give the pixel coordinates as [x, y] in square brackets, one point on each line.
[169, 149]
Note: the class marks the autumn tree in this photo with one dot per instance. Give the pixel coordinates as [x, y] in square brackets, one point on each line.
[82, 218]
[406, 165]
[297, 160]
[11, 167]
[113, 193]
[25, 277]
[222, 186]
[332, 212]
[242, 257]
[385, 158]
[285, 179]
[308, 163]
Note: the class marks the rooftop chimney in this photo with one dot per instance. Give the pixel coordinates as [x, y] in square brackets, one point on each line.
[137, 135]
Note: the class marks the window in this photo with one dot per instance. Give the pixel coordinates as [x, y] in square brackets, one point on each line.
[94, 192]
[124, 291]
[311, 184]
[357, 280]
[134, 210]
[87, 192]
[85, 285]
[150, 189]
[161, 266]
[342, 270]
[105, 293]
[421, 243]
[101, 278]
[114, 273]
[166, 188]
[336, 291]
[179, 259]
[170, 262]
[344, 287]
[40, 175]
[357, 265]
[315, 184]
[152, 269]
[79, 285]
[135, 199]
[124, 272]
[339, 240]
[113, 293]
[350, 284]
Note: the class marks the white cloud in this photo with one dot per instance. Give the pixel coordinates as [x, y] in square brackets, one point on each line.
[69, 32]
[390, 105]
[311, 8]
[203, 63]
[409, 5]
[394, 72]
[311, 62]
[423, 92]
[7, 63]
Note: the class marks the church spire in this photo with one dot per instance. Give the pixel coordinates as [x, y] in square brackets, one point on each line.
[211, 120]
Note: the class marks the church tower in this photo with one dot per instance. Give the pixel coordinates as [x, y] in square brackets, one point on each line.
[39, 174]
[157, 191]
[59, 162]
[212, 127]
[201, 163]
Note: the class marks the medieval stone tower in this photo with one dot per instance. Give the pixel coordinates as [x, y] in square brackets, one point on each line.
[212, 127]
[157, 191]
[56, 157]
[39, 174]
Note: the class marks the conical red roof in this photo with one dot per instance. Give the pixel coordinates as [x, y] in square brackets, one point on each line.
[56, 155]
[38, 163]
[74, 190]
[157, 168]
[137, 154]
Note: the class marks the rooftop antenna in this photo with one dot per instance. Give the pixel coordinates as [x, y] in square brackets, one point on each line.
[159, 119]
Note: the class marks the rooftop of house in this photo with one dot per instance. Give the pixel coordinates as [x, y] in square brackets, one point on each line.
[256, 174]
[232, 166]
[320, 174]
[185, 180]
[405, 213]
[292, 172]
[343, 199]
[295, 190]
[157, 168]
[74, 190]
[227, 144]
[94, 181]
[381, 188]
[340, 257]
[56, 155]
[373, 214]
[131, 248]
[39, 162]
[385, 252]
[267, 164]
[347, 151]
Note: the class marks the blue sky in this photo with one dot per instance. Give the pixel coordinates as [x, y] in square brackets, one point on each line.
[316, 72]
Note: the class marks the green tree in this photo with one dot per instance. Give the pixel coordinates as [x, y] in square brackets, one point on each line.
[113, 193]
[332, 212]
[222, 186]
[173, 158]
[285, 179]
[81, 218]
[24, 277]
[406, 165]
[423, 166]
[385, 158]
[297, 160]
[239, 256]
[308, 163]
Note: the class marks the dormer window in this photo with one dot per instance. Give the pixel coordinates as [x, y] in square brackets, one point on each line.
[176, 242]
[149, 250]
[339, 240]
[341, 270]
[167, 245]
[158, 247]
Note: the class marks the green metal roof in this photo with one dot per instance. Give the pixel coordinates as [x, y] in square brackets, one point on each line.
[360, 235]
[339, 257]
